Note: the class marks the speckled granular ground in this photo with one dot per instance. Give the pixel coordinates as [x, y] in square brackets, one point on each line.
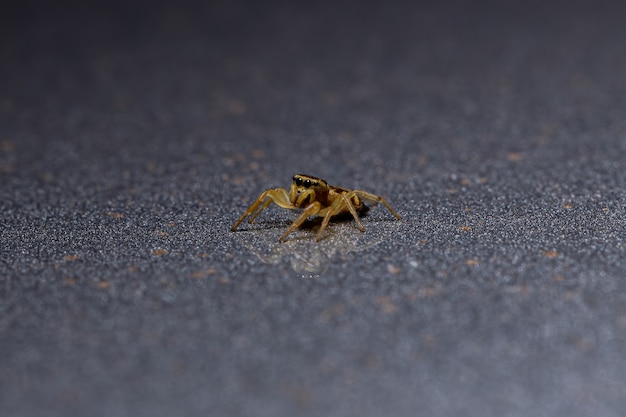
[132, 138]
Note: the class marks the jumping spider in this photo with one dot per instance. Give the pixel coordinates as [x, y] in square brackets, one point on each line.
[317, 198]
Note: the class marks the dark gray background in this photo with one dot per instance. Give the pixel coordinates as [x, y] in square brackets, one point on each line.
[132, 136]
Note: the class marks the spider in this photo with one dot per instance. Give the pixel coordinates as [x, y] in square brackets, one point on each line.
[317, 198]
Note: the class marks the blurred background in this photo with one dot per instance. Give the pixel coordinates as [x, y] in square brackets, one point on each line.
[134, 134]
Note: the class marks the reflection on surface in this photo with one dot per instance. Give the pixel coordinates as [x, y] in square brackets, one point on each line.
[307, 256]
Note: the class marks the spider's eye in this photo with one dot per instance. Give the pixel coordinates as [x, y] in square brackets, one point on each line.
[307, 183]
[315, 184]
[298, 181]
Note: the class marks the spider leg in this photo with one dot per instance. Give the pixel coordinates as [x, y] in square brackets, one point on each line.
[310, 210]
[375, 199]
[277, 195]
[352, 210]
[265, 205]
[335, 208]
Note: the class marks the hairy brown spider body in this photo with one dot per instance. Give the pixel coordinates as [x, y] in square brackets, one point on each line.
[317, 198]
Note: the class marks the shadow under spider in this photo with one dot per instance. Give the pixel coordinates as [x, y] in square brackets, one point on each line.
[309, 224]
[307, 256]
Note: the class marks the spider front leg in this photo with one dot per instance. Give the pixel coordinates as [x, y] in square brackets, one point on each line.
[375, 199]
[310, 210]
[277, 195]
[338, 205]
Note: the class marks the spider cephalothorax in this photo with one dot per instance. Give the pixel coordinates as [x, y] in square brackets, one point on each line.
[316, 198]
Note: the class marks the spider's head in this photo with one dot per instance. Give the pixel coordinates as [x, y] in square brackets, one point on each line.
[306, 189]
[304, 183]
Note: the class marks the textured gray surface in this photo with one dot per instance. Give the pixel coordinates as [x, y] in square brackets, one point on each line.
[131, 138]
